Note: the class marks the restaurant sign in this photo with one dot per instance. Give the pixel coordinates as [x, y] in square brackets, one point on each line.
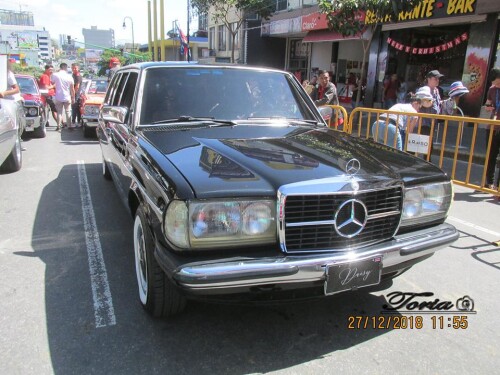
[426, 9]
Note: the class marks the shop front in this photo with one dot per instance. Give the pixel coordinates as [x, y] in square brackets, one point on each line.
[341, 56]
[459, 44]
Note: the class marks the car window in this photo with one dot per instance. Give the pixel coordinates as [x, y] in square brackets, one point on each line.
[220, 93]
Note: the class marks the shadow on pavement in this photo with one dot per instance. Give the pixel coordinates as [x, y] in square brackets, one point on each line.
[206, 339]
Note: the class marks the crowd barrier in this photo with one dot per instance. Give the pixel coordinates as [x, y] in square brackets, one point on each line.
[459, 145]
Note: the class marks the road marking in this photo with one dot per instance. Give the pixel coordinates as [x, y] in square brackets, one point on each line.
[103, 302]
[485, 230]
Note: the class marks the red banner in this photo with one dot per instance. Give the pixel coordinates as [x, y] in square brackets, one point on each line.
[428, 50]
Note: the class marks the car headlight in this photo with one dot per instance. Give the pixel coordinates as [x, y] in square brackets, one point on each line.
[31, 111]
[425, 203]
[91, 110]
[220, 223]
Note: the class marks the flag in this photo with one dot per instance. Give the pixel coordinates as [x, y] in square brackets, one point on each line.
[184, 42]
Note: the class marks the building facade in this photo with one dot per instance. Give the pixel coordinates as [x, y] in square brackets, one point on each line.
[98, 39]
[458, 38]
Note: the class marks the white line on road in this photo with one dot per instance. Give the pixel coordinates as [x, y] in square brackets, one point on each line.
[485, 230]
[103, 302]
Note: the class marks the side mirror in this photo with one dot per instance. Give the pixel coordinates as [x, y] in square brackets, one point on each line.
[114, 114]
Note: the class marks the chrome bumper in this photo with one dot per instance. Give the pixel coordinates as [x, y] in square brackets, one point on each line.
[231, 273]
[90, 120]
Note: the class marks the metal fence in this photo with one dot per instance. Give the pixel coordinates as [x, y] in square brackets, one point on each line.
[458, 145]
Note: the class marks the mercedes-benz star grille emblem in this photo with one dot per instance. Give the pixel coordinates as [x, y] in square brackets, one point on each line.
[350, 218]
[352, 167]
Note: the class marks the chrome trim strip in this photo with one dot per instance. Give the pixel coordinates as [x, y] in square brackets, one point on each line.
[230, 273]
[331, 222]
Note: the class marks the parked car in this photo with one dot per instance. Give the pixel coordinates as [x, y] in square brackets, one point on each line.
[11, 128]
[239, 190]
[91, 102]
[35, 106]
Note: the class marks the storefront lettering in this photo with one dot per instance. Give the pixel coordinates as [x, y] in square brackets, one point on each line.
[428, 50]
[460, 6]
[426, 9]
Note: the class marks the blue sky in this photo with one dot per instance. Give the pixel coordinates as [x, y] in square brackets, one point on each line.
[69, 17]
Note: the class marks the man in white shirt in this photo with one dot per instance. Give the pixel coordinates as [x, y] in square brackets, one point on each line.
[65, 93]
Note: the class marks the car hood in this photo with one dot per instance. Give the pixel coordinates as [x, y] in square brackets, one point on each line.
[94, 99]
[257, 160]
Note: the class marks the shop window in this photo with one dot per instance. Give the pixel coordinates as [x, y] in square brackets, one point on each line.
[221, 31]
[211, 38]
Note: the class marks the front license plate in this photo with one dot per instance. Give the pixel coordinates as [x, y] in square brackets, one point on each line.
[353, 275]
[29, 125]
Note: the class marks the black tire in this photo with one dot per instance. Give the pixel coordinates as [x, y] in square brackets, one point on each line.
[14, 161]
[105, 170]
[157, 294]
[89, 132]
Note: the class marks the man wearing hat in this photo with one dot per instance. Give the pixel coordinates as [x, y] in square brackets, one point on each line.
[398, 124]
[114, 64]
[432, 81]
[457, 90]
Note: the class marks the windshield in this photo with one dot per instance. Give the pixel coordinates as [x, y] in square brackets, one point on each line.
[219, 93]
[98, 87]
[27, 85]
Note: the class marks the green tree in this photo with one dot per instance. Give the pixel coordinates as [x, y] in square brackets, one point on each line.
[354, 17]
[232, 13]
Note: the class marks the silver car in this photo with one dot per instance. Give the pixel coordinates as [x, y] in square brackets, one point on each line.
[10, 135]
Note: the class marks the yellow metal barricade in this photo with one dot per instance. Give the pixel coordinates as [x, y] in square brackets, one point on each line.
[459, 145]
[338, 119]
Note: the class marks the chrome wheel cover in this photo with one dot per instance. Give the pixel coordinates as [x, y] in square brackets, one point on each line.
[141, 266]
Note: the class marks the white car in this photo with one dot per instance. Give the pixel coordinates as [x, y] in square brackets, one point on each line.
[11, 114]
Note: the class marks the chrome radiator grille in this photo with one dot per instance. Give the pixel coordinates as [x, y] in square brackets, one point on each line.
[309, 220]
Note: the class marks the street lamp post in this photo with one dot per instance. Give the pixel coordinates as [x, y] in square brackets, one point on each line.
[132, 24]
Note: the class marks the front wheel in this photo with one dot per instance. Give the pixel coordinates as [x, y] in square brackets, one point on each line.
[15, 159]
[158, 295]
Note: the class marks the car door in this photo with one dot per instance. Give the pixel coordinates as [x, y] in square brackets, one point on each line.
[119, 133]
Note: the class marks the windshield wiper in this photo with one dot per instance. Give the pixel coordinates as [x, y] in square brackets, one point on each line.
[215, 122]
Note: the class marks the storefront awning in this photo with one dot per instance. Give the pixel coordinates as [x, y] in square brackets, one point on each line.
[329, 36]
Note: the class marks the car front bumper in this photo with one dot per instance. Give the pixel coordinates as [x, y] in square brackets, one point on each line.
[235, 275]
[91, 121]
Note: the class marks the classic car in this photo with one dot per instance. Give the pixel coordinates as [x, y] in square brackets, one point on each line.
[240, 192]
[91, 102]
[11, 128]
[35, 106]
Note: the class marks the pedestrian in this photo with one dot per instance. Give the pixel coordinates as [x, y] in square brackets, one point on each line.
[307, 86]
[45, 84]
[325, 93]
[450, 105]
[114, 64]
[76, 117]
[432, 79]
[402, 91]
[398, 125]
[65, 94]
[493, 105]
[390, 93]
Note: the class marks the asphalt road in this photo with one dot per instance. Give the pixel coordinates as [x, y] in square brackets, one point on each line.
[59, 216]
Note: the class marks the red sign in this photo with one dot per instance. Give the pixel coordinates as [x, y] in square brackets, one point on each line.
[314, 21]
